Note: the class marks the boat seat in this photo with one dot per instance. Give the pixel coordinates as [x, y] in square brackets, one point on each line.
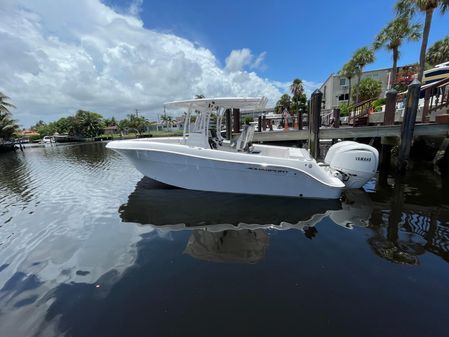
[244, 141]
[213, 139]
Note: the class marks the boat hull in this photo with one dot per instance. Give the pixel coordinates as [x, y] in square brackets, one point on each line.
[211, 174]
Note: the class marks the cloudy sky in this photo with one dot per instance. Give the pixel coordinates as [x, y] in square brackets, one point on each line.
[86, 55]
[115, 56]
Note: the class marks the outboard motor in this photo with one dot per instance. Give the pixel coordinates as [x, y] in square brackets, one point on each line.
[353, 163]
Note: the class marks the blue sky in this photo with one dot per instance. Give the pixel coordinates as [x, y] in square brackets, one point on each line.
[307, 39]
[115, 56]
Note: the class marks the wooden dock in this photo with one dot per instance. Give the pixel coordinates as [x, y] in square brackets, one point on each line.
[420, 111]
[427, 129]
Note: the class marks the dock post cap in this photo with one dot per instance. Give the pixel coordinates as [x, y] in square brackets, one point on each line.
[316, 92]
[415, 82]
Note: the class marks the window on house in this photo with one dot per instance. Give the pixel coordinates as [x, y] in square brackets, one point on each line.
[342, 81]
[343, 97]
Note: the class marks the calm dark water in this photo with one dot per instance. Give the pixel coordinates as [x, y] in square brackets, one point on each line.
[88, 247]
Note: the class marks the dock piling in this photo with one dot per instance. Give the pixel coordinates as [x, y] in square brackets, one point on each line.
[408, 125]
[336, 117]
[228, 124]
[390, 107]
[387, 144]
[236, 120]
[314, 123]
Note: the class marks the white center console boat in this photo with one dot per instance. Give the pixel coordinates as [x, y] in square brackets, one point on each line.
[202, 160]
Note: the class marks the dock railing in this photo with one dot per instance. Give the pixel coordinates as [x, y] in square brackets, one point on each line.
[359, 113]
[327, 117]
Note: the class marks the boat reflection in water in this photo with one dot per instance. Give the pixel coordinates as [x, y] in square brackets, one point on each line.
[232, 227]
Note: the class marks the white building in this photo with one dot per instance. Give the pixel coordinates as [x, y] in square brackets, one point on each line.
[336, 88]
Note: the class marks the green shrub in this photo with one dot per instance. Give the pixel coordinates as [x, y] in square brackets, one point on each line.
[344, 109]
[248, 120]
[377, 104]
[368, 88]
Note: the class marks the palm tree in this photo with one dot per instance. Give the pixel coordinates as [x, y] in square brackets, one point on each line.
[349, 70]
[5, 105]
[392, 36]
[8, 126]
[299, 98]
[170, 121]
[284, 103]
[167, 121]
[361, 58]
[408, 8]
[87, 123]
[296, 88]
[439, 52]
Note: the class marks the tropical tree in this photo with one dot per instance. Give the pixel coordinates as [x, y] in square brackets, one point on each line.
[63, 125]
[361, 58]
[38, 125]
[283, 103]
[167, 120]
[67, 125]
[200, 96]
[296, 88]
[8, 125]
[368, 88]
[44, 129]
[393, 35]
[299, 99]
[87, 123]
[137, 122]
[4, 105]
[110, 121]
[439, 52]
[345, 108]
[409, 8]
[123, 125]
[349, 70]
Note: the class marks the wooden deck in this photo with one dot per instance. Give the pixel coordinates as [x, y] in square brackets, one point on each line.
[430, 129]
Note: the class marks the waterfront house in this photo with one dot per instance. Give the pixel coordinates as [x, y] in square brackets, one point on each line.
[111, 130]
[336, 88]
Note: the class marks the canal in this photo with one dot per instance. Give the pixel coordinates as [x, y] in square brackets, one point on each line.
[88, 247]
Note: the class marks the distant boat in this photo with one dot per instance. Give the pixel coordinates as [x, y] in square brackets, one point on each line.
[48, 140]
[440, 72]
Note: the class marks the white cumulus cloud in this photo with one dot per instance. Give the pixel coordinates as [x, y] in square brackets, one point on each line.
[258, 63]
[241, 58]
[135, 7]
[57, 58]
